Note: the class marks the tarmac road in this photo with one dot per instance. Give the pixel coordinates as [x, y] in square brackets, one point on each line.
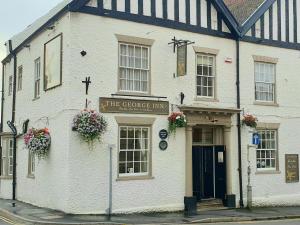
[275, 222]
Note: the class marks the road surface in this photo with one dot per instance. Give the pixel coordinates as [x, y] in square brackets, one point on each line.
[275, 222]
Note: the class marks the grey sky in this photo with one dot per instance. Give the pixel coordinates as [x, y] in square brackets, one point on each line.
[16, 15]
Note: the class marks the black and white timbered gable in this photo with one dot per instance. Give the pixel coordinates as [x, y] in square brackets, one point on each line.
[274, 22]
[201, 16]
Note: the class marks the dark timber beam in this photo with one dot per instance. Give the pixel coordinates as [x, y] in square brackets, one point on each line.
[271, 22]
[279, 19]
[295, 21]
[256, 16]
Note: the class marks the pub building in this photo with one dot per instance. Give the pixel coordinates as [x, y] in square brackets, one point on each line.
[228, 70]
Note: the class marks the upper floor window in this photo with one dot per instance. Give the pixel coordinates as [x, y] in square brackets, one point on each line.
[53, 55]
[266, 153]
[7, 157]
[264, 82]
[10, 85]
[20, 77]
[206, 75]
[134, 68]
[37, 77]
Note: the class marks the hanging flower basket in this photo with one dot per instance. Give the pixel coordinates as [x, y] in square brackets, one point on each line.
[249, 120]
[176, 120]
[90, 125]
[38, 141]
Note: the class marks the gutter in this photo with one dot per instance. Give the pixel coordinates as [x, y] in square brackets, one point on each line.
[238, 100]
[13, 118]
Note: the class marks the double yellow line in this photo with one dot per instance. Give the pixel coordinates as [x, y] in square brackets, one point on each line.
[7, 220]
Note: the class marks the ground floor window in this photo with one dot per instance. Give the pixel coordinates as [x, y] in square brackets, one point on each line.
[266, 154]
[7, 157]
[134, 150]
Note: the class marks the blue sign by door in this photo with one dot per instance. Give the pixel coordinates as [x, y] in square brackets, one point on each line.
[255, 139]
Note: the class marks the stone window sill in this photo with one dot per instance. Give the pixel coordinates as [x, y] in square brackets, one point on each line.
[266, 103]
[133, 93]
[31, 176]
[35, 99]
[199, 98]
[134, 178]
[6, 177]
[261, 172]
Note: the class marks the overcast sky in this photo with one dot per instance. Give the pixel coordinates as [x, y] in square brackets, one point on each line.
[16, 15]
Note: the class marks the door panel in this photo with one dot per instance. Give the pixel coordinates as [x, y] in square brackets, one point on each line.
[208, 172]
[197, 173]
[203, 182]
[220, 171]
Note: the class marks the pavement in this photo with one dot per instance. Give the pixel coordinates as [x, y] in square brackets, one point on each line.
[24, 213]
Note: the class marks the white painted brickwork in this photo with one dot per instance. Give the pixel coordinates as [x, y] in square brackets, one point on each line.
[75, 180]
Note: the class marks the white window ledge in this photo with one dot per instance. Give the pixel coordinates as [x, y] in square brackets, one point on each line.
[6, 177]
[261, 172]
[206, 99]
[266, 103]
[129, 178]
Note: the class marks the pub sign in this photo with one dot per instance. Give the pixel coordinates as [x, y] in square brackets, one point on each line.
[292, 168]
[122, 105]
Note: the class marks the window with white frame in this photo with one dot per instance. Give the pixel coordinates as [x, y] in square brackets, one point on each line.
[264, 82]
[266, 153]
[31, 163]
[7, 157]
[10, 85]
[20, 77]
[134, 151]
[134, 68]
[206, 75]
[37, 77]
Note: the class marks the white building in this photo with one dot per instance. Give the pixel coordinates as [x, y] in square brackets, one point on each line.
[241, 61]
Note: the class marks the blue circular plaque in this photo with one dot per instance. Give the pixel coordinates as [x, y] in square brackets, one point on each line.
[163, 134]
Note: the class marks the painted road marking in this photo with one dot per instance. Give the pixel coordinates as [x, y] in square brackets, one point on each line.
[7, 220]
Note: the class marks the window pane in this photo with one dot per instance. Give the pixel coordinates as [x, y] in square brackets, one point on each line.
[122, 157]
[123, 132]
[138, 57]
[130, 144]
[137, 167]
[123, 144]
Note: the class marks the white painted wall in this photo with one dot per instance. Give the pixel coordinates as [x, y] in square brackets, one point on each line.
[49, 188]
[166, 190]
[75, 179]
[271, 189]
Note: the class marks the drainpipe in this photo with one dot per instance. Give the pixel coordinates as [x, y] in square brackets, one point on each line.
[238, 97]
[2, 110]
[13, 118]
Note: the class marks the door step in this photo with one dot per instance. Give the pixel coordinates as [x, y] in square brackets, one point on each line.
[210, 204]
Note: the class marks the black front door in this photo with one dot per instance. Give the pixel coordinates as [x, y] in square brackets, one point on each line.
[209, 168]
